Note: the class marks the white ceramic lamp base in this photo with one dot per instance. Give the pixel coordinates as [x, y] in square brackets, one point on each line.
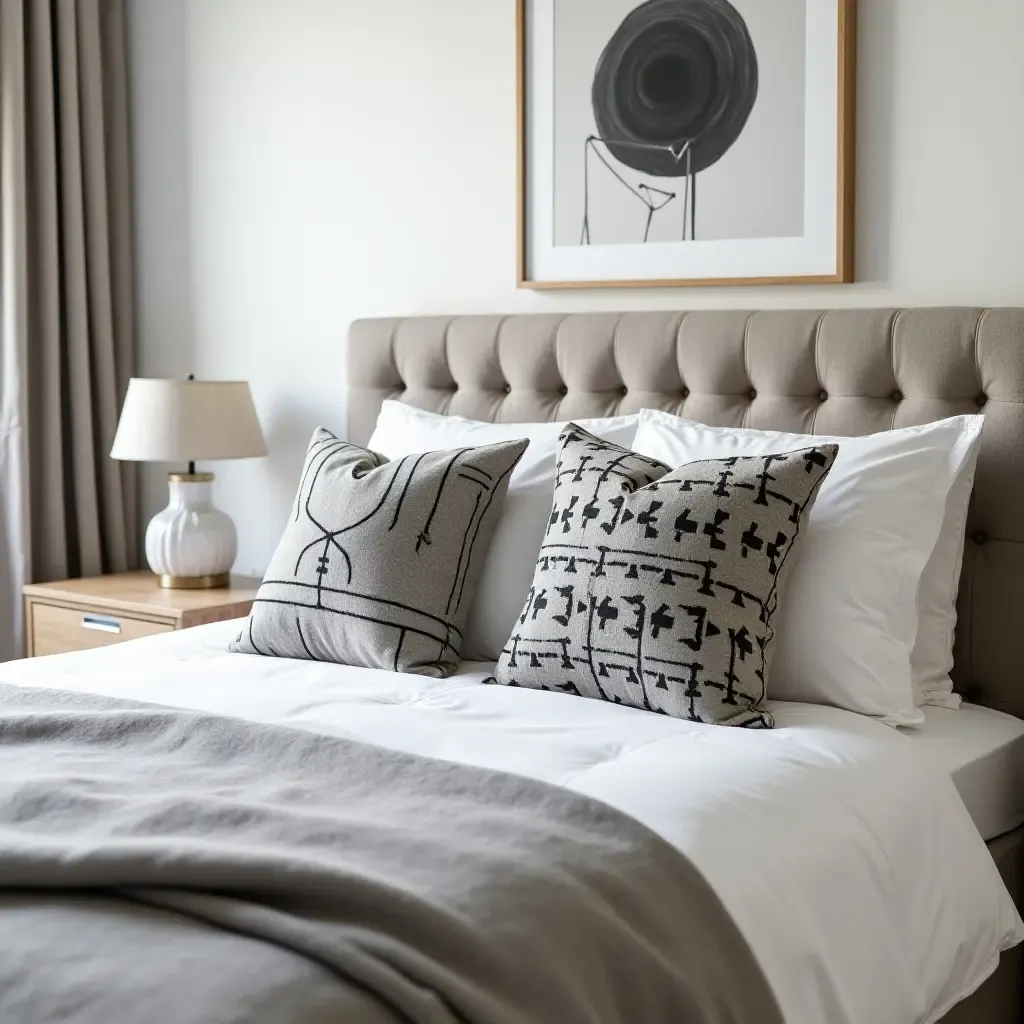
[191, 545]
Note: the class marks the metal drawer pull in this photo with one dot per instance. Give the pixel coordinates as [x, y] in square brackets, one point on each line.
[102, 623]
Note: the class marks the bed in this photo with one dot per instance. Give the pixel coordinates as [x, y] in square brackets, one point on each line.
[837, 372]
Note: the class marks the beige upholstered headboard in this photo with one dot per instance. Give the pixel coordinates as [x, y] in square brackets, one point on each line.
[835, 372]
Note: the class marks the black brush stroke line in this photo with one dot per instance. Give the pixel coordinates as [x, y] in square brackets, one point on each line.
[529, 646]
[398, 649]
[332, 536]
[490, 499]
[328, 540]
[652, 208]
[615, 464]
[252, 641]
[362, 597]
[690, 181]
[650, 659]
[590, 657]
[298, 626]
[653, 463]
[696, 665]
[478, 469]
[324, 562]
[439, 663]
[362, 618]
[677, 154]
[326, 453]
[399, 466]
[585, 233]
[323, 530]
[600, 156]
[597, 469]
[641, 626]
[405, 490]
[335, 445]
[462, 552]
[737, 591]
[692, 191]
[425, 532]
[653, 555]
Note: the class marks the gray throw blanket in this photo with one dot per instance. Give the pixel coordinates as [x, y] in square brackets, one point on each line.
[164, 866]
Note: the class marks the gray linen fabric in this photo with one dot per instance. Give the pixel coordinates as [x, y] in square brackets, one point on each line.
[67, 345]
[657, 589]
[173, 867]
[380, 560]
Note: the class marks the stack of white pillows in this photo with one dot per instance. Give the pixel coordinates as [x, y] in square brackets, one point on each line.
[868, 616]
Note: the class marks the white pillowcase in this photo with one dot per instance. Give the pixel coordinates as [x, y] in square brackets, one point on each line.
[932, 657]
[848, 620]
[508, 569]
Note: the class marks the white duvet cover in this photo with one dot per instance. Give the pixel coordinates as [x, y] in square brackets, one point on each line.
[850, 864]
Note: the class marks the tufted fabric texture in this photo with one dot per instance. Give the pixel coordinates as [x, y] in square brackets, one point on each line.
[844, 372]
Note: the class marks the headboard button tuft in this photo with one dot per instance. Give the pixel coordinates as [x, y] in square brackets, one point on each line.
[982, 401]
[980, 538]
[823, 396]
[753, 393]
[508, 389]
[897, 396]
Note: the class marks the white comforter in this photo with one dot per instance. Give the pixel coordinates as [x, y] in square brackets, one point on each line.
[849, 863]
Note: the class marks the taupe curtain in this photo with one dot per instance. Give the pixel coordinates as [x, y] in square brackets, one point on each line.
[66, 299]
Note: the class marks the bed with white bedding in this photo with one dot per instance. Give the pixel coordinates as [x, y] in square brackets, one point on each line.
[983, 751]
[851, 855]
[829, 818]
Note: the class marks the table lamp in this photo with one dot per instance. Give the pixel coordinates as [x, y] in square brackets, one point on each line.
[190, 544]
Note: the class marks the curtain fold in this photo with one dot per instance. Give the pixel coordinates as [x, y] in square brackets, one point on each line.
[66, 295]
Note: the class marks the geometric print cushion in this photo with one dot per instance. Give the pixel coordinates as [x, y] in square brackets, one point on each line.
[379, 560]
[657, 588]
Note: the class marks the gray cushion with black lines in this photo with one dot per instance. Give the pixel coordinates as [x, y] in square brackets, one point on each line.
[656, 588]
[379, 561]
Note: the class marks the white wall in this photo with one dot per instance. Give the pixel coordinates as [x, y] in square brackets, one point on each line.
[301, 163]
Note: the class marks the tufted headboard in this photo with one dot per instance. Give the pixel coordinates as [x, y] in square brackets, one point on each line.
[834, 372]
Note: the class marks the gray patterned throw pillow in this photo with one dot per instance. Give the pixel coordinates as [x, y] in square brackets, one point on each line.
[379, 561]
[656, 589]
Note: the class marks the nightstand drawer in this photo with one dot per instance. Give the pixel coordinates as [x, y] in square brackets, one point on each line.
[57, 630]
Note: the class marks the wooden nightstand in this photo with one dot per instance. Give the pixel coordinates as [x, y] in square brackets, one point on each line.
[75, 615]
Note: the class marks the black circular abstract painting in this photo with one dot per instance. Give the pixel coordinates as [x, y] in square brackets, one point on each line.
[675, 72]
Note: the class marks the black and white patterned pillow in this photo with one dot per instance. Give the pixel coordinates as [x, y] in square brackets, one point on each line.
[379, 561]
[656, 588]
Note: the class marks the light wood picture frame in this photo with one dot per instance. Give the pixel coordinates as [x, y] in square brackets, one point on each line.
[624, 107]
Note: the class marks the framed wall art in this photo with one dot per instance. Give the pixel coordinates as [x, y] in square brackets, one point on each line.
[685, 142]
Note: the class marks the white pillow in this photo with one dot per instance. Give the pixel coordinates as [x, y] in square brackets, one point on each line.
[508, 569]
[932, 657]
[848, 620]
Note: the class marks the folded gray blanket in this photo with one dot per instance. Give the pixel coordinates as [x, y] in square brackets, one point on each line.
[164, 866]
